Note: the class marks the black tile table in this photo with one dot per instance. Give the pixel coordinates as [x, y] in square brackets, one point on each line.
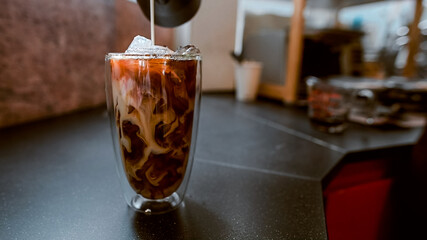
[257, 175]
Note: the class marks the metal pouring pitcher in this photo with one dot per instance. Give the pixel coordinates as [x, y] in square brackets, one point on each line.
[170, 13]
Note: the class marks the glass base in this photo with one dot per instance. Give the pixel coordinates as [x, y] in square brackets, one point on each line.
[155, 206]
[329, 127]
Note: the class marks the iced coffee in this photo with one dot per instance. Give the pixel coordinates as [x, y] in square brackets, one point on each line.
[154, 93]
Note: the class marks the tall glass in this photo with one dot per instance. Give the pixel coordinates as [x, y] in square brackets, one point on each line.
[153, 104]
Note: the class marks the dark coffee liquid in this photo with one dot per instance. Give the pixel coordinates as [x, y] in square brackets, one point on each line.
[154, 104]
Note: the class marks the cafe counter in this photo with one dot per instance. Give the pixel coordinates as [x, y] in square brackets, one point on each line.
[260, 171]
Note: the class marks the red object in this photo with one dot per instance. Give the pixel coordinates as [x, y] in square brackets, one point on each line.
[357, 201]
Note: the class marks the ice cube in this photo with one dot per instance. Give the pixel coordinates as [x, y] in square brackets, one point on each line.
[143, 45]
[187, 50]
[138, 44]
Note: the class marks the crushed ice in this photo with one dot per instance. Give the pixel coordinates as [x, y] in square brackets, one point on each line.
[188, 50]
[143, 45]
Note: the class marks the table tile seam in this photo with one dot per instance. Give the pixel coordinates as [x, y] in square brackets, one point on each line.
[254, 169]
[294, 132]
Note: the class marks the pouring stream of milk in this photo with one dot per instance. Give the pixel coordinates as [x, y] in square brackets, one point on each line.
[152, 22]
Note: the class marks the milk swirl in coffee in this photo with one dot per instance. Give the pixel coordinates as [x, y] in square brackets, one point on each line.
[153, 97]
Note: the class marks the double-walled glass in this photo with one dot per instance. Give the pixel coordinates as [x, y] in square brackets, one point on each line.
[153, 104]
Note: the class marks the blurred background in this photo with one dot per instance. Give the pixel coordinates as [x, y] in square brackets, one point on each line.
[52, 52]
[333, 61]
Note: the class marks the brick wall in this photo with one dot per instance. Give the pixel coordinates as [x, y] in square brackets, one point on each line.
[52, 53]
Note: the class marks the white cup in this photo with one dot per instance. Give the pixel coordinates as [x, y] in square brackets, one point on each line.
[247, 77]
